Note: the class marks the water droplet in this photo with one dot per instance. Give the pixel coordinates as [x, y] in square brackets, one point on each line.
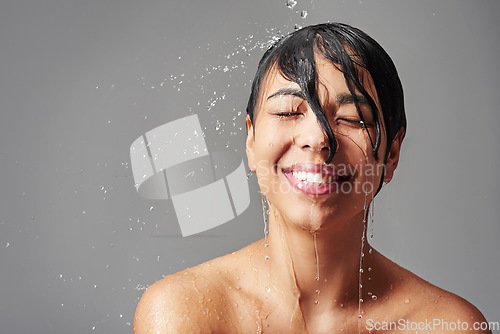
[151, 208]
[268, 289]
[316, 302]
[267, 258]
[369, 268]
[374, 297]
[370, 250]
[303, 14]
[407, 301]
[7, 245]
[361, 270]
[290, 3]
[317, 292]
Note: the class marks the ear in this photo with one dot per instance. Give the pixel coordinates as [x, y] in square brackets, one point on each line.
[393, 157]
[250, 144]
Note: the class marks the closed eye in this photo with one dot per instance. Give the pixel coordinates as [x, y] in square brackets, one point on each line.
[353, 121]
[288, 114]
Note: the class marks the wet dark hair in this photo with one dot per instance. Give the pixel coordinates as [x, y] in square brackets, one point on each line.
[349, 49]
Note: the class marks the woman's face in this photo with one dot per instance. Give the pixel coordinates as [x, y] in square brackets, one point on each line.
[287, 147]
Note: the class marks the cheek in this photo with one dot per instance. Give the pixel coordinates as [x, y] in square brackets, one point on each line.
[271, 148]
[268, 156]
[354, 146]
[355, 153]
[272, 142]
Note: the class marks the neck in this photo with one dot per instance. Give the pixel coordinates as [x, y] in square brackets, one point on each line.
[322, 266]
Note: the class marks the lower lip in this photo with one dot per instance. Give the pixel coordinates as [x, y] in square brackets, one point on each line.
[311, 189]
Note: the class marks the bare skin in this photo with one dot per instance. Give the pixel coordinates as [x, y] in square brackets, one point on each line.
[239, 293]
[304, 278]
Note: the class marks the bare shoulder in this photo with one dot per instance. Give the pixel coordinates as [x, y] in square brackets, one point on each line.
[192, 300]
[165, 306]
[451, 313]
[421, 302]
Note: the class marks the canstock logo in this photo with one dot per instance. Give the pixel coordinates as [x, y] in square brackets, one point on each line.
[172, 162]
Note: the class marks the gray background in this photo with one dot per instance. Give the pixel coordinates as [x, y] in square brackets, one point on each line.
[81, 80]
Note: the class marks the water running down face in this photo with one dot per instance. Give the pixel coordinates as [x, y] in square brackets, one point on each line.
[287, 148]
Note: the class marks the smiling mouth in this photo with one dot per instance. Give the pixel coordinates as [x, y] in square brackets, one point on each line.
[315, 179]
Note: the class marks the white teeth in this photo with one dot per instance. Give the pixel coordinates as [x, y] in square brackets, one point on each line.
[317, 178]
[310, 177]
[313, 177]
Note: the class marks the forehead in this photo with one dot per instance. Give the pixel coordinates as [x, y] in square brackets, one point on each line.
[331, 81]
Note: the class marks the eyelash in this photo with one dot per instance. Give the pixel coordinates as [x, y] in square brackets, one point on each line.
[288, 114]
[355, 122]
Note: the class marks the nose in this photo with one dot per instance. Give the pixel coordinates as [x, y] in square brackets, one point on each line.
[310, 135]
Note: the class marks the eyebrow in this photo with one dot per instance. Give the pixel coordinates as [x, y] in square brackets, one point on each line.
[288, 91]
[349, 98]
[340, 99]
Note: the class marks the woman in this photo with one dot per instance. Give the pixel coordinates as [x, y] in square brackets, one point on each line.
[325, 123]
